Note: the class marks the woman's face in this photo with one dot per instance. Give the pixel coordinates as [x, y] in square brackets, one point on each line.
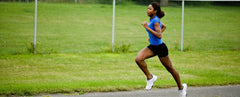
[150, 11]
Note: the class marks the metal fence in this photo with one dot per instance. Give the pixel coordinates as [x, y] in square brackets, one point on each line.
[173, 22]
[87, 1]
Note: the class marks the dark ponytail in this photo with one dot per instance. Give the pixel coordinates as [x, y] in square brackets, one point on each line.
[156, 6]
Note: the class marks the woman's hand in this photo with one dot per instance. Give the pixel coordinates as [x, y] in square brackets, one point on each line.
[145, 25]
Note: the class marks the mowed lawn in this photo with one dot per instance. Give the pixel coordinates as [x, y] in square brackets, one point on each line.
[67, 73]
[74, 44]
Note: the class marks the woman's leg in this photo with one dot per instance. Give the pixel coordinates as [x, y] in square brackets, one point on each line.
[145, 53]
[168, 65]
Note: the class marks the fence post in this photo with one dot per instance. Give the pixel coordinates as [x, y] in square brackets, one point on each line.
[35, 28]
[113, 25]
[182, 25]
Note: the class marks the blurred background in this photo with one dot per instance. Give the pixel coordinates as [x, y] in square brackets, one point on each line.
[83, 26]
[142, 2]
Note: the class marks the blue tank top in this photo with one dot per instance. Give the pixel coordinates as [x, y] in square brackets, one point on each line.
[153, 39]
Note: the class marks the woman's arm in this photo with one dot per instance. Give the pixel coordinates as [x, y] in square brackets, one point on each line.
[157, 32]
[163, 27]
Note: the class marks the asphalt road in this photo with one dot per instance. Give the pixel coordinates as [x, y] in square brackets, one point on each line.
[213, 91]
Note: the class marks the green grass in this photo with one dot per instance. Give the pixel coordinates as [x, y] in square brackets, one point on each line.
[73, 40]
[66, 73]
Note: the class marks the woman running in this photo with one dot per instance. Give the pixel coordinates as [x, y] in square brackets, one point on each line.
[155, 29]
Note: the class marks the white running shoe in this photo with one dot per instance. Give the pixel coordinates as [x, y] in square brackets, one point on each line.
[150, 82]
[183, 92]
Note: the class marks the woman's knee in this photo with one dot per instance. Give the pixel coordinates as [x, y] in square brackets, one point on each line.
[138, 60]
[167, 63]
[169, 67]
